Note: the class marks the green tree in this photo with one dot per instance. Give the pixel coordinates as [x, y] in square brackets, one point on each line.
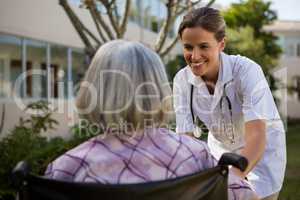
[246, 34]
[174, 65]
[26, 143]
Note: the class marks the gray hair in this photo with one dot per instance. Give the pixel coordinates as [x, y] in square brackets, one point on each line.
[126, 82]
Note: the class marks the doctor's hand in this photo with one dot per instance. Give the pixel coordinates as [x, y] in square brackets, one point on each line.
[191, 134]
[238, 172]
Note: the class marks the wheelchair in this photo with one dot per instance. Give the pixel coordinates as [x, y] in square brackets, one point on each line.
[210, 184]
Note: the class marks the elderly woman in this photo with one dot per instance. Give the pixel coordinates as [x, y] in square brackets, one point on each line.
[126, 92]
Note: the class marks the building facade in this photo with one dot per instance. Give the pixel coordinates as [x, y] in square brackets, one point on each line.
[42, 58]
[288, 70]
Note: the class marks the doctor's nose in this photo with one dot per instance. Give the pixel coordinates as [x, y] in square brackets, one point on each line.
[196, 54]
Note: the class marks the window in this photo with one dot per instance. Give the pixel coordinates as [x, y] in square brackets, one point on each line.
[59, 65]
[54, 79]
[10, 49]
[16, 71]
[35, 52]
[3, 81]
[297, 87]
[298, 49]
[289, 50]
[79, 68]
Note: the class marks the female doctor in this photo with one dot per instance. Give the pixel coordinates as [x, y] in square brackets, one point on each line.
[229, 94]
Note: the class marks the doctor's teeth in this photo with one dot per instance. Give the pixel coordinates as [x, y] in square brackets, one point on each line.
[199, 63]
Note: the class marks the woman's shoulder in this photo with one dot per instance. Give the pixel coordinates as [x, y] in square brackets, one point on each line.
[81, 149]
[182, 74]
[239, 59]
[189, 142]
[242, 65]
[65, 164]
[195, 144]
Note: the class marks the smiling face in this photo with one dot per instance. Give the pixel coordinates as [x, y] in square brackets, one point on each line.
[201, 51]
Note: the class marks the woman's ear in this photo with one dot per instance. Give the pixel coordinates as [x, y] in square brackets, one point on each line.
[222, 44]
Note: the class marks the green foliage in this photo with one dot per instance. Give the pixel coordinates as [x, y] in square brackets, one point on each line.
[41, 121]
[173, 66]
[254, 13]
[242, 41]
[154, 25]
[25, 143]
[246, 35]
[290, 189]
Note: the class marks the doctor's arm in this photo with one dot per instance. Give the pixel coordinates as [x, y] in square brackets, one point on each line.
[257, 109]
[255, 142]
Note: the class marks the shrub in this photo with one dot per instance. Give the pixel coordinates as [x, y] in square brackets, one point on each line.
[26, 143]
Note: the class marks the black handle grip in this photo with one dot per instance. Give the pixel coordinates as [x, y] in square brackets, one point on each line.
[235, 160]
[19, 173]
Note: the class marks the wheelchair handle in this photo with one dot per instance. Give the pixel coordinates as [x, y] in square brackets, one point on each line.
[19, 174]
[235, 160]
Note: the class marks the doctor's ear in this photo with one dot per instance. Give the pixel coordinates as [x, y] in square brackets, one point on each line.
[222, 44]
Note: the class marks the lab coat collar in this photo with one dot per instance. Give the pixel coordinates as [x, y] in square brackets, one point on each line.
[225, 76]
[196, 81]
[226, 69]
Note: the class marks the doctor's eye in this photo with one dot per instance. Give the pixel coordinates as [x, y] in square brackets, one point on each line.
[188, 47]
[204, 46]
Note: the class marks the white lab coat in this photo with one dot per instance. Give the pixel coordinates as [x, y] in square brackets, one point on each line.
[251, 98]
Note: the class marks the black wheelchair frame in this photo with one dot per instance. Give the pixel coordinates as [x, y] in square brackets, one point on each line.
[210, 184]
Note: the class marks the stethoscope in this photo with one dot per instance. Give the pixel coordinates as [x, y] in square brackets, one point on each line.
[224, 99]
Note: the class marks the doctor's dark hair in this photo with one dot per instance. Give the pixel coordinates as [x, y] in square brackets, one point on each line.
[207, 18]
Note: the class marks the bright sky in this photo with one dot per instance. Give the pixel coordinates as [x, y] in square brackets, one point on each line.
[286, 9]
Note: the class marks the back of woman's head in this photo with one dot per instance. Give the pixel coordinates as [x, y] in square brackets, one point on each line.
[126, 84]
